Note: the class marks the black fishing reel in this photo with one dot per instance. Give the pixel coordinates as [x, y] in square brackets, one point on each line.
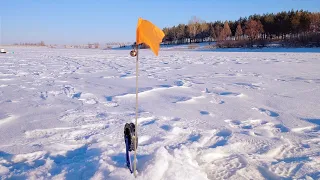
[129, 136]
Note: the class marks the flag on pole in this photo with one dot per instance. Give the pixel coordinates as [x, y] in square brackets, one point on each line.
[149, 34]
[152, 36]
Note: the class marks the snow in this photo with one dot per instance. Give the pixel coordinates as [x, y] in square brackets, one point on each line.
[202, 115]
[269, 48]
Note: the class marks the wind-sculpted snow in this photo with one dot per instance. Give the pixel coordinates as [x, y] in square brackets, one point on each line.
[202, 115]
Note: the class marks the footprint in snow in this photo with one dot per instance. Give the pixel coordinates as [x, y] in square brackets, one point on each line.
[231, 94]
[148, 122]
[166, 127]
[223, 168]
[43, 95]
[204, 113]
[179, 83]
[222, 138]
[258, 127]
[267, 112]
[194, 137]
[248, 85]
[176, 119]
[110, 102]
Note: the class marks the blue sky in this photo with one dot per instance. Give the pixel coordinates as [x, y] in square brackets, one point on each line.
[80, 22]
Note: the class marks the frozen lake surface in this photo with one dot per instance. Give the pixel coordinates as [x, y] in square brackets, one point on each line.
[202, 115]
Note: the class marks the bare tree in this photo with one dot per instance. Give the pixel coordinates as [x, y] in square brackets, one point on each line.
[226, 29]
[180, 33]
[253, 29]
[217, 30]
[225, 32]
[204, 30]
[193, 27]
[315, 22]
[239, 32]
[212, 33]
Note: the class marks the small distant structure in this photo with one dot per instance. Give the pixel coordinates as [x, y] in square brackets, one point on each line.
[90, 45]
[2, 51]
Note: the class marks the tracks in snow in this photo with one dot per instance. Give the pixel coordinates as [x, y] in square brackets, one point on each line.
[201, 117]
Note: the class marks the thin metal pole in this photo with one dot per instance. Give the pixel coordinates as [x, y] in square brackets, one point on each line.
[136, 123]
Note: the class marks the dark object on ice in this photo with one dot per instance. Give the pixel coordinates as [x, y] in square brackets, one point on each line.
[129, 138]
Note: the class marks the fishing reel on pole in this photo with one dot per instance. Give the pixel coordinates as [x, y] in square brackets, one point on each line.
[129, 135]
[133, 53]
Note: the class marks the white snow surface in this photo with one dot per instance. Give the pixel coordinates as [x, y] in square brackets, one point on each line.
[202, 115]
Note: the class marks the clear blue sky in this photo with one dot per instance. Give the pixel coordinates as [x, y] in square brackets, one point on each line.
[79, 21]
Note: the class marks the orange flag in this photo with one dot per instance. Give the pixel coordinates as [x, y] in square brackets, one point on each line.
[149, 34]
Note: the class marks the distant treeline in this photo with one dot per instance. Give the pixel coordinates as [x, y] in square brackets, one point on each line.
[293, 28]
[95, 45]
[30, 44]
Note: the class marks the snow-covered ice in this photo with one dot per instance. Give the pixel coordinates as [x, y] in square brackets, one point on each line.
[202, 115]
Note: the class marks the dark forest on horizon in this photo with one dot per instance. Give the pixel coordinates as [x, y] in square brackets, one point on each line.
[288, 28]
